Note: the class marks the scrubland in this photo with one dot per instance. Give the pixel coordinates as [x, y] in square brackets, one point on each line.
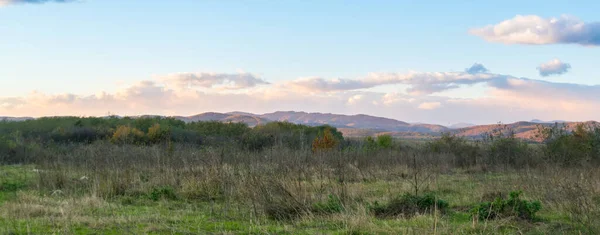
[162, 176]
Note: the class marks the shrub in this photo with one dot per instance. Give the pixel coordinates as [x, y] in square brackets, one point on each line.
[506, 149]
[501, 207]
[370, 143]
[572, 147]
[465, 153]
[162, 193]
[219, 129]
[157, 134]
[127, 135]
[332, 205]
[7, 149]
[409, 205]
[294, 136]
[11, 186]
[384, 141]
[254, 141]
[180, 135]
[78, 134]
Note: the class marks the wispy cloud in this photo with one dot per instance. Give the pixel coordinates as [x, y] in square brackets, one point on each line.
[213, 80]
[553, 67]
[420, 83]
[320, 84]
[9, 2]
[532, 29]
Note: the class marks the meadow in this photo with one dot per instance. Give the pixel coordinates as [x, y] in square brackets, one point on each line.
[114, 175]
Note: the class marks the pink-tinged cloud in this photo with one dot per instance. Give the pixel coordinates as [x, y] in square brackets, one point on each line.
[420, 83]
[508, 98]
[430, 105]
[535, 30]
[213, 80]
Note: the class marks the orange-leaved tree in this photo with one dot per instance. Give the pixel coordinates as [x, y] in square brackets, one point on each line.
[325, 142]
[127, 135]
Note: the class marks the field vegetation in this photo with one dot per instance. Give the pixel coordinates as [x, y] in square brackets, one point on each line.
[70, 175]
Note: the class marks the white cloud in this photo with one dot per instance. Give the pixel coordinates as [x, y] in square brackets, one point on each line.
[430, 105]
[532, 29]
[553, 67]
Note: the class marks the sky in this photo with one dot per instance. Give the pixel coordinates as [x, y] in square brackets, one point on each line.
[441, 62]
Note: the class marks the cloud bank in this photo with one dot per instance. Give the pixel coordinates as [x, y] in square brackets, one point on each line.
[507, 98]
[535, 30]
[553, 67]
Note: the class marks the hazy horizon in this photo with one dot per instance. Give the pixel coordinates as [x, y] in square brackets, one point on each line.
[477, 63]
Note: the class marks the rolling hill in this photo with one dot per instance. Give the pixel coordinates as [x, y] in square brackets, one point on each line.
[361, 125]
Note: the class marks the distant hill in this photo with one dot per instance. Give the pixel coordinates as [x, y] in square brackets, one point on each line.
[15, 119]
[361, 125]
[554, 121]
[251, 119]
[523, 130]
[461, 125]
[359, 121]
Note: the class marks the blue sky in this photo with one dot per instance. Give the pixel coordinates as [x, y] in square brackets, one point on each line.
[87, 47]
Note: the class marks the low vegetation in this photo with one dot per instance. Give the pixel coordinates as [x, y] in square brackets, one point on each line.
[163, 176]
[505, 208]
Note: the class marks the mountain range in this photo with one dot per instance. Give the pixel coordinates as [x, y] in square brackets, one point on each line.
[359, 121]
[366, 125]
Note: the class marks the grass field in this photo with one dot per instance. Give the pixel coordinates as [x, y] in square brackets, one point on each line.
[109, 189]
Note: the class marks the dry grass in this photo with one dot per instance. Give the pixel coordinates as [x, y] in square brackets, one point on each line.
[105, 188]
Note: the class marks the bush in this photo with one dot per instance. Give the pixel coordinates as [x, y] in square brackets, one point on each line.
[127, 135]
[409, 205]
[254, 141]
[379, 142]
[7, 149]
[162, 193]
[465, 154]
[294, 136]
[503, 208]
[572, 147]
[78, 134]
[384, 141]
[157, 134]
[370, 143]
[332, 205]
[506, 149]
